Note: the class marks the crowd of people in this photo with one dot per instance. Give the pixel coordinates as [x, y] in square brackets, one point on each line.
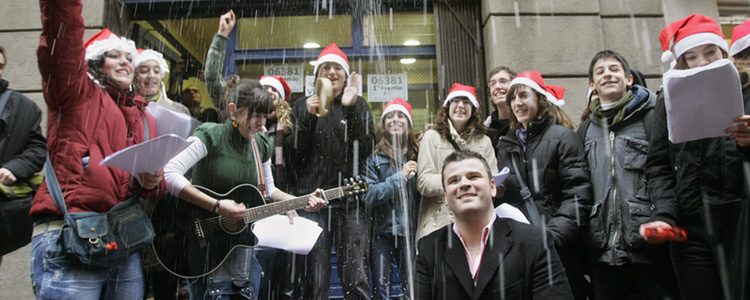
[585, 199]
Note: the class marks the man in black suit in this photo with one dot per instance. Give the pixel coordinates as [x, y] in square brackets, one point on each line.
[481, 256]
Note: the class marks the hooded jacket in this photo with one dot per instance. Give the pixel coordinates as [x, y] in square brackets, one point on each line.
[87, 122]
[621, 200]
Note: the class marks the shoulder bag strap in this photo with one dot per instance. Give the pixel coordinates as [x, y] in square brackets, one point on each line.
[528, 200]
[53, 186]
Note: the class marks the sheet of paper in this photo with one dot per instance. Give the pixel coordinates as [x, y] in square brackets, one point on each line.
[508, 211]
[500, 177]
[702, 102]
[168, 121]
[149, 156]
[276, 232]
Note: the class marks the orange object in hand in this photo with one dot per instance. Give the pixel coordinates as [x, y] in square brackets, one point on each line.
[674, 234]
[112, 246]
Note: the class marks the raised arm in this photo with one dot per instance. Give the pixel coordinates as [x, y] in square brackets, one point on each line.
[215, 60]
[61, 55]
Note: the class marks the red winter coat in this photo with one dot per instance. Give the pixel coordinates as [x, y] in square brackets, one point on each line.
[84, 119]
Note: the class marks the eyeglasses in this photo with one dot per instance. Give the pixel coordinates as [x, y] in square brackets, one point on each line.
[500, 83]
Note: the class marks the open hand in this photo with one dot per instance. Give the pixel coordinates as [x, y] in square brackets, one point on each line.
[350, 92]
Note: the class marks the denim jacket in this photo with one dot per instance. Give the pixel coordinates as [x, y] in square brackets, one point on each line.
[386, 188]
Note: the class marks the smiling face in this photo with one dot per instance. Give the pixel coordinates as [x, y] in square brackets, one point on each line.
[247, 123]
[459, 112]
[396, 123]
[702, 55]
[609, 80]
[498, 86]
[524, 105]
[468, 187]
[148, 78]
[335, 73]
[118, 68]
[274, 94]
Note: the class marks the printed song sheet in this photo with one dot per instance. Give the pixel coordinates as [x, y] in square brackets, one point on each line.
[701, 102]
[149, 156]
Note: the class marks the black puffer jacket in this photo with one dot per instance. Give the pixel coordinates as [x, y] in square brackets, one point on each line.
[681, 177]
[564, 193]
[621, 199]
[322, 151]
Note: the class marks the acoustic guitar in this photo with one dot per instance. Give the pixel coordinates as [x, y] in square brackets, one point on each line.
[192, 242]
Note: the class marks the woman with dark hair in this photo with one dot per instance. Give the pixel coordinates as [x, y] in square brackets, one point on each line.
[457, 127]
[222, 156]
[93, 113]
[390, 175]
[700, 185]
[497, 122]
[549, 178]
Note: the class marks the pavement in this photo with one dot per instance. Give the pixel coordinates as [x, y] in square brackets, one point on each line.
[15, 278]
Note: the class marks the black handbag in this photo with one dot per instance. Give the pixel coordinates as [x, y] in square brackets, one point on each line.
[102, 239]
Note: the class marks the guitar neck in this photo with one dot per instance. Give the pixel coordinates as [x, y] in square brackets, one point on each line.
[264, 211]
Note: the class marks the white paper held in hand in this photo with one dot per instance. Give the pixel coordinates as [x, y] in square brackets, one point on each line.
[500, 177]
[168, 121]
[702, 102]
[276, 232]
[149, 156]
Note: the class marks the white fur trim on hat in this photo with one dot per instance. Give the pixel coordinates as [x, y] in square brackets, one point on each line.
[98, 48]
[149, 54]
[331, 58]
[698, 39]
[466, 94]
[739, 45]
[270, 81]
[395, 107]
[535, 86]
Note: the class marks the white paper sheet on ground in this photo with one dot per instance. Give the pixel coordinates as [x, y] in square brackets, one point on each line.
[702, 102]
[500, 177]
[508, 211]
[168, 121]
[149, 156]
[276, 232]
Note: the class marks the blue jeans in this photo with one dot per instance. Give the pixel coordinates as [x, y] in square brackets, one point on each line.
[387, 249]
[239, 275]
[55, 275]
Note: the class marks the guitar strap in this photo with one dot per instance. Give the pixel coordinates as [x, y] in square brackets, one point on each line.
[259, 169]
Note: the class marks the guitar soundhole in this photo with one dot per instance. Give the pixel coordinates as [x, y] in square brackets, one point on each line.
[232, 227]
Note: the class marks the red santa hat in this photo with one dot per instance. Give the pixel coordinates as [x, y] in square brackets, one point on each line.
[148, 54]
[105, 40]
[740, 38]
[397, 104]
[534, 80]
[278, 83]
[460, 90]
[332, 53]
[690, 32]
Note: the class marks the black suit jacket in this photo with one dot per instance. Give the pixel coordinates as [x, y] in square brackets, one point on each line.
[515, 265]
